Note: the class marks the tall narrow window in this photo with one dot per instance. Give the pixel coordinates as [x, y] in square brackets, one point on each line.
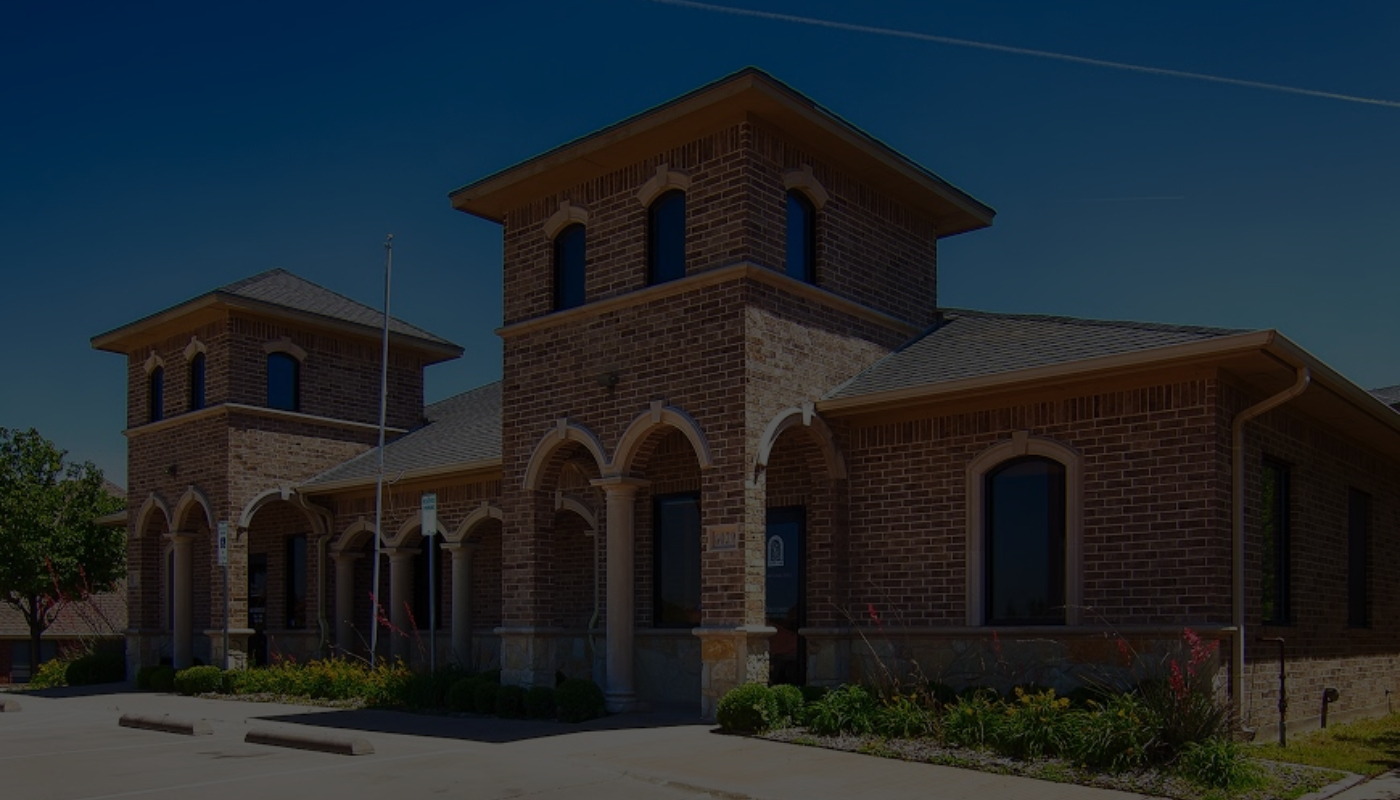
[1273, 517]
[676, 531]
[1025, 541]
[283, 382]
[296, 581]
[801, 237]
[666, 238]
[1358, 559]
[155, 395]
[197, 382]
[569, 271]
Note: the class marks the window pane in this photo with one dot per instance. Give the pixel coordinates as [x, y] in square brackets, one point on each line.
[677, 578]
[197, 382]
[296, 582]
[1358, 562]
[155, 397]
[282, 382]
[1025, 518]
[1273, 525]
[801, 237]
[569, 259]
[666, 238]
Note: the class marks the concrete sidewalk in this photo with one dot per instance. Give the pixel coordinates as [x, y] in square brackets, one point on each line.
[71, 748]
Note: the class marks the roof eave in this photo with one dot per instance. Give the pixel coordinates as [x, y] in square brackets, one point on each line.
[458, 468]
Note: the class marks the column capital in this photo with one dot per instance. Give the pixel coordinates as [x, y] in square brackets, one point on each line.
[181, 537]
[459, 547]
[621, 485]
[347, 556]
[399, 553]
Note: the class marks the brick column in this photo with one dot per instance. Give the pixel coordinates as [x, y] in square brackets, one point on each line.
[621, 492]
[461, 600]
[183, 655]
[345, 600]
[400, 595]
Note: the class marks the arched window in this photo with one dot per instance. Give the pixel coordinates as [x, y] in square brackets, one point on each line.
[801, 237]
[197, 382]
[666, 238]
[155, 395]
[1024, 519]
[283, 381]
[569, 271]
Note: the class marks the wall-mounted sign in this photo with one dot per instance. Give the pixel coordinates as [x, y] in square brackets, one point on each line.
[223, 543]
[722, 537]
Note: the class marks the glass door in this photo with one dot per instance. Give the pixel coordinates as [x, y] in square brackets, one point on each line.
[785, 592]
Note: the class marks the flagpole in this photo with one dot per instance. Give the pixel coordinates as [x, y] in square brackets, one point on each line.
[379, 483]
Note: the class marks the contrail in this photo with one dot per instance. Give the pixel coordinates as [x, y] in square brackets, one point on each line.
[1023, 51]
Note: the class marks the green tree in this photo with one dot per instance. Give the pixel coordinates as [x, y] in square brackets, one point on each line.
[52, 551]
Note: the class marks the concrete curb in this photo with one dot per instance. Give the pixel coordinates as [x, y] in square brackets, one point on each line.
[8, 705]
[166, 724]
[305, 740]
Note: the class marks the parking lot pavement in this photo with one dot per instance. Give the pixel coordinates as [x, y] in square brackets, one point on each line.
[71, 748]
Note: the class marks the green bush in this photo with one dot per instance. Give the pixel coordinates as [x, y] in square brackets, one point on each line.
[974, 720]
[1217, 763]
[811, 694]
[579, 700]
[143, 677]
[748, 708]
[941, 693]
[484, 697]
[199, 680]
[50, 674]
[849, 709]
[510, 702]
[1114, 736]
[539, 702]
[903, 717]
[790, 703]
[1037, 724]
[101, 666]
[388, 684]
[163, 679]
[459, 697]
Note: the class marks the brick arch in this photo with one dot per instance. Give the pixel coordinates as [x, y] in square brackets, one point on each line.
[1022, 444]
[564, 433]
[352, 536]
[664, 180]
[630, 446]
[411, 526]
[802, 180]
[474, 520]
[816, 428]
[568, 214]
[192, 498]
[153, 504]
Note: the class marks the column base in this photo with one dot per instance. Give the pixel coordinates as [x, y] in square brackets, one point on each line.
[527, 656]
[621, 702]
[237, 647]
[730, 657]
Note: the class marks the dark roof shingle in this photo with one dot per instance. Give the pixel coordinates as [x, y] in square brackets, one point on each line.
[971, 344]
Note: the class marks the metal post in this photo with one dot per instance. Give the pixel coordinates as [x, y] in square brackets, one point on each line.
[379, 482]
[432, 606]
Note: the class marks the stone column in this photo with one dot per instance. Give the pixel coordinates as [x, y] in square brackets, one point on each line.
[184, 600]
[345, 600]
[400, 595]
[621, 492]
[461, 600]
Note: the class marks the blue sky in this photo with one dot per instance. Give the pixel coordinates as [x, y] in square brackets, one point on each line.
[152, 151]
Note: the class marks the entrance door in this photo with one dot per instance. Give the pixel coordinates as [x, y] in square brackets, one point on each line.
[785, 592]
[257, 609]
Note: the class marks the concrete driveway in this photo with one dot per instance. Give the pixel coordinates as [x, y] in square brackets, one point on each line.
[71, 748]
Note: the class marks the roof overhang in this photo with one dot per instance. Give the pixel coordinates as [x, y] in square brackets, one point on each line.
[1261, 362]
[750, 94]
[462, 469]
[217, 304]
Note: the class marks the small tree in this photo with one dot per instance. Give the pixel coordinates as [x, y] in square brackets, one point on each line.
[52, 551]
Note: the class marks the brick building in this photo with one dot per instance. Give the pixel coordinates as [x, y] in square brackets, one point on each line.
[737, 439]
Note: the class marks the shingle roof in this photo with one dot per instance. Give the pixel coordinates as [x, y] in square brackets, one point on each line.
[279, 287]
[462, 429]
[102, 614]
[970, 344]
[1390, 395]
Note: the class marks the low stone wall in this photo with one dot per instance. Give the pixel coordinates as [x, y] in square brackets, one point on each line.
[667, 668]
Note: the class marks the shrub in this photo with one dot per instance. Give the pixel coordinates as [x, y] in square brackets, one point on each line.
[748, 708]
[579, 700]
[903, 717]
[1036, 725]
[811, 694]
[539, 702]
[100, 666]
[143, 677]
[163, 679]
[974, 720]
[790, 702]
[849, 709]
[484, 697]
[941, 693]
[50, 674]
[510, 702]
[1217, 763]
[459, 697]
[1115, 736]
[199, 680]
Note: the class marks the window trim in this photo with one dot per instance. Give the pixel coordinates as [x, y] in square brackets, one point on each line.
[1283, 589]
[1022, 444]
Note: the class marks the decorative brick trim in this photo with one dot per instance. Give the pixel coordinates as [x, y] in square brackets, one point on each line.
[153, 361]
[663, 181]
[804, 181]
[194, 348]
[564, 432]
[481, 514]
[817, 428]
[568, 214]
[152, 504]
[284, 345]
[657, 416]
[192, 497]
[351, 536]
